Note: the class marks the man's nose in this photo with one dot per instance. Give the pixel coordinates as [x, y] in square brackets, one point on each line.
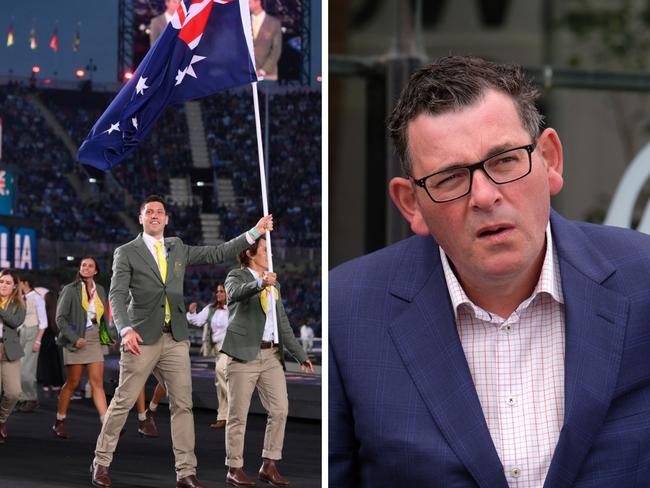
[485, 192]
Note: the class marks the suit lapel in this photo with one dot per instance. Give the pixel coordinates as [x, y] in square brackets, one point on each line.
[143, 251]
[427, 341]
[596, 319]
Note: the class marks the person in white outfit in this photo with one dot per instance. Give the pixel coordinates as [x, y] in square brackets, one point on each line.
[214, 319]
[31, 332]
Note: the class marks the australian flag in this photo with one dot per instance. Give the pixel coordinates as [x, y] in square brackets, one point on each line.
[207, 47]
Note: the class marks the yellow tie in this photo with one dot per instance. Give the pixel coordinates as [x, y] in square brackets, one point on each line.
[162, 267]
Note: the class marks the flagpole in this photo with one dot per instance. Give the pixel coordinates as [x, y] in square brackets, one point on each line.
[265, 203]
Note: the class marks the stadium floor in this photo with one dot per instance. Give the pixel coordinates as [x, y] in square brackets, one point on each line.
[33, 457]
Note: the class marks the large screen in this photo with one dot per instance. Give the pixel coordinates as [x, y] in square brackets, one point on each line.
[290, 12]
[6, 191]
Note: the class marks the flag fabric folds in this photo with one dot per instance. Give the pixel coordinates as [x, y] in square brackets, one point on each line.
[54, 40]
[10, 36]
[33, 43]
[76, 41]
[206, 48]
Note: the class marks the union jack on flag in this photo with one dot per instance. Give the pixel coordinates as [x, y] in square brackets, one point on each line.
[206, 48]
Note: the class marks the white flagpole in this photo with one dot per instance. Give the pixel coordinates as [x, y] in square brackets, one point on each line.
[265, 203]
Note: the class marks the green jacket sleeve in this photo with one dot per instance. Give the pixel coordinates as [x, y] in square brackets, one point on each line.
[13, 316]
[64, 315]
[238, 288]
[216, 254]
[118, 294]
[289, 340]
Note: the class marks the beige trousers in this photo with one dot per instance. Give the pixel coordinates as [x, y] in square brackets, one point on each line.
[28, 364]
[266, 374]
[170, 362]
[220, 362]
[9, 384]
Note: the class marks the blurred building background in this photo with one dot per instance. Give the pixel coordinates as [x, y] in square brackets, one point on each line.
[590, 58]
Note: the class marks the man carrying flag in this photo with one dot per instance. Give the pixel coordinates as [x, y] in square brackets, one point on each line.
[146, 299]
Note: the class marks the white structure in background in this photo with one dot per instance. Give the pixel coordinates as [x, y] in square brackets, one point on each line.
[627, 192]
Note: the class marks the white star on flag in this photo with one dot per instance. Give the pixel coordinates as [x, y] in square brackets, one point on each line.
[141, 86]
[115, 126]
[135, 122]
[189, 70]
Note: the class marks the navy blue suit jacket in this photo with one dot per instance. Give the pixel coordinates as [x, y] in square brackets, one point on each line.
[403, 410]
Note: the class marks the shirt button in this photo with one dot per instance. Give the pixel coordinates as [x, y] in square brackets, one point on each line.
[507, 328]
[515, 472]
[511, 401]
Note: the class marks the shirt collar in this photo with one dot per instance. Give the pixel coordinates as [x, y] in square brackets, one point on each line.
[255, 274]
[151, 241]
[549, 282]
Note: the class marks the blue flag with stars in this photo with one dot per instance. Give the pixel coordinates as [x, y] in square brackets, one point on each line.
[207, 47]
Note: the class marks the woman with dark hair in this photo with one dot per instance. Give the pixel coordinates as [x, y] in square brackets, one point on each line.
[79, 311]
[214, 319]
[12, 314]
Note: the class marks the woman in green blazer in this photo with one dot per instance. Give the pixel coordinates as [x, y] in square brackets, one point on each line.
[12, 314]
[79, 311]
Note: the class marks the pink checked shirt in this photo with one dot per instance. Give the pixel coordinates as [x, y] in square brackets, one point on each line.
[517, 364]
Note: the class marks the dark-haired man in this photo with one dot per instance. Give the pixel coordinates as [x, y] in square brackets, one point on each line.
[502, 345]
[146, 298]
[256, 349]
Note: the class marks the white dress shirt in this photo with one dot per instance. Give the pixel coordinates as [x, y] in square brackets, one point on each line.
[218, 324]
[34, 299]
[269, 327]
[517, 364]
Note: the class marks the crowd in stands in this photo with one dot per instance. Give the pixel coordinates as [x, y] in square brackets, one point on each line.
[46, 170]
[42, 164]
[294, 187]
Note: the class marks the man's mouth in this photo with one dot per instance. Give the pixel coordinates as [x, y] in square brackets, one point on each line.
[493, 230]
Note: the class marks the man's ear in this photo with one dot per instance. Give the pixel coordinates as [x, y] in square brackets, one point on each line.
[550, 149]
[403, 195]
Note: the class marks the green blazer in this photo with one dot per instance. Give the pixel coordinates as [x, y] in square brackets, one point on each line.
[246, 320]
[71, 317]
[11, 320]
[137, 293]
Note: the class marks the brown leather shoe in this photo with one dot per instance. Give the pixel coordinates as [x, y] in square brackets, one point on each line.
[237, 477]
[147, 427]
[189, 482]
[100, 477]
[269, 473]
[59, 429]
[218, 424]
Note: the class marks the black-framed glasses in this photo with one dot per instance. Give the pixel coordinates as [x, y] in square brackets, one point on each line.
[453, 183]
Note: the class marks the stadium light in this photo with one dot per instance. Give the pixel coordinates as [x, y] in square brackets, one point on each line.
[200, 183]
[69, 258]
[36, 69]
[80, 73]
[128, 75]
[92, 180]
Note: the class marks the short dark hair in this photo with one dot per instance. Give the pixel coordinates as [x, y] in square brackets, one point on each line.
[243, 258]
[153, 198]
[454, 82]
[29, 279]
